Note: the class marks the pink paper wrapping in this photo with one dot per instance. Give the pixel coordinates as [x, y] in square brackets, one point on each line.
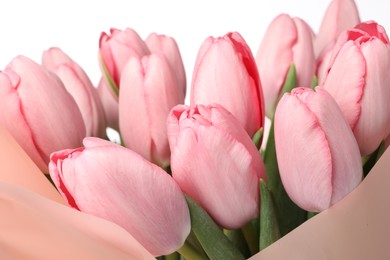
[35, 222]
[358, 227]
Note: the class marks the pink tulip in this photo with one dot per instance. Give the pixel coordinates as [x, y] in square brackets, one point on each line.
[78, 84]
[110, 104]
[318, 157]
[116, 49]
[148, 92]
[287, 41]
[359, 81]
[340, 16]
[215, 162]
[225, 73]
[115, 183]
[38, 111]
[168, 47]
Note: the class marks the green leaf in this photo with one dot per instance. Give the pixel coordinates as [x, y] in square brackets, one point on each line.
[210, 235]
[283, 204]
[257, 137]
[107, 75]
[314, 82]
[269, 228]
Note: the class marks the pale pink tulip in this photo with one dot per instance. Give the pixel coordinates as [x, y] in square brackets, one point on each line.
[110, 104]
[215, 162]
[318, 157]
[78, 84]
[116, 48]
[168, 47]
[112, 182]
[287, 41]
[359, 80]
[340, 15]
[148, 91]
[225, 73]
[35, 227]
[38, 111]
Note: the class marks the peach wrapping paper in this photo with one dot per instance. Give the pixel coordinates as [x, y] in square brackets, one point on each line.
[37, 227]
[358, 227]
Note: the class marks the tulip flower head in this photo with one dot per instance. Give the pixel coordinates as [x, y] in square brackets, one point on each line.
[215, 162]
[287, 41]
[38, 111]
[359, 81]
[78, 84]
[318, 157]
[115, 183]
[225, 73]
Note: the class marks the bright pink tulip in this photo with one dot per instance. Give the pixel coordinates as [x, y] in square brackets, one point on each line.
[359, 80]
[78, 84]
[116, 49]
[38, 111]
[215, 162]
[110, 104]
[318, 157]
[168, 47]
[112, 182]
[225, 73]
[287, 41]
[148, 92]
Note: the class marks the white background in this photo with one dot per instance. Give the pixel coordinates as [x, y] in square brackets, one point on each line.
[29, 27]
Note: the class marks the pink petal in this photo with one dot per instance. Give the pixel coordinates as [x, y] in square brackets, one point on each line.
[142, 198]
[274, 58]
[345, 81]
[305, 166]
[109, 103]
[374, 123]
[214, 169]
[12, 118]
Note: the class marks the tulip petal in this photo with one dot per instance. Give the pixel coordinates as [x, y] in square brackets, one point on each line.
[141, 197]
[274, 58]
[304, 59]
[375, 117]
[12, 111]
[134, 115]
[214, 77]
[51, 134]
[348, 76]
[346, 161]
[109, 103]
[201, 151]
[305, 170]
[168, 46]
[340, 15]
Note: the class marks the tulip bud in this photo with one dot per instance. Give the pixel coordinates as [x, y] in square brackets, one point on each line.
[359, 81]
[116, 49]
[225, 73]
[112, 182]
[37, 110]
[168, 47]
[339, 16]
[78, 84]
[318, 157]
[287, 41]
[215, 162]
[148, 92]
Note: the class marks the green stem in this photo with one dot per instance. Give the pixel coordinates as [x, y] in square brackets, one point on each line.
[238, 240]
[311, 214]
[189, 252]
[251, 237]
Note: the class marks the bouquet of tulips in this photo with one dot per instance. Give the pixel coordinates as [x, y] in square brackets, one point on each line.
[266, 142]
